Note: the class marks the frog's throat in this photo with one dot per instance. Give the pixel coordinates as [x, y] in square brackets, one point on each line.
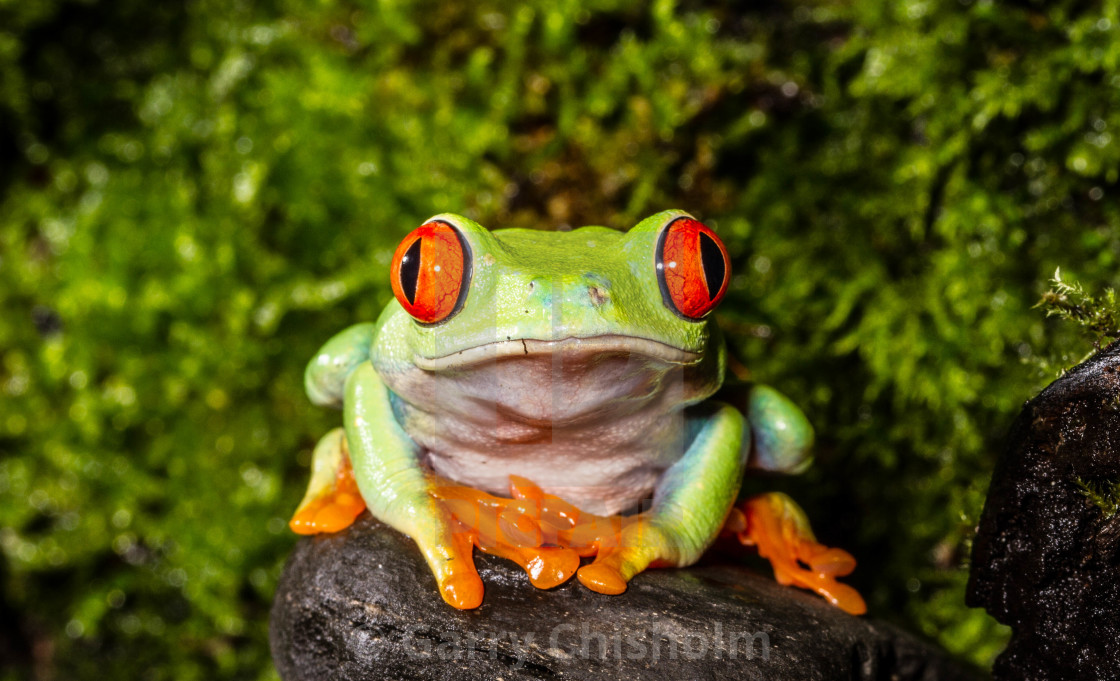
[595, 345]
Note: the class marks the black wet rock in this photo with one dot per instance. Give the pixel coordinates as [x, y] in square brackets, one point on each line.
[362, 604]
[1046, 560]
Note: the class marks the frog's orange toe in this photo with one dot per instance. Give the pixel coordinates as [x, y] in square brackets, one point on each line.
[303, 523]
[462, 591]
[549, 567]
[546, 566]
[832, 562]
[329, 513]
[602, 578]
[842, 596]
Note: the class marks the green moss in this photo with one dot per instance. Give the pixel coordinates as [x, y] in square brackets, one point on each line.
[194, 196]
[1103, 495]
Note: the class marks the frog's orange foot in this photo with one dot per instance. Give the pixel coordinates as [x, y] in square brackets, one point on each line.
[524, 529]
[779, 529]
[547, 536]
[331, 509]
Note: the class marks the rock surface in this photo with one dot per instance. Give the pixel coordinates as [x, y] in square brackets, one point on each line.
[361, 604]
[1046, 560]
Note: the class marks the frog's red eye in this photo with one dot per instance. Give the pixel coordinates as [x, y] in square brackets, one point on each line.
[431, 272]
[692, 268]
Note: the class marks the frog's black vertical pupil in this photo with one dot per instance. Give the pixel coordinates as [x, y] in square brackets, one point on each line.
[711, 257]
[410, 271]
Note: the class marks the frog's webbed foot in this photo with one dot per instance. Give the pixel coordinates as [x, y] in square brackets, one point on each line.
[332, 501]
[777, 526]
[547, 536]
[524, 529]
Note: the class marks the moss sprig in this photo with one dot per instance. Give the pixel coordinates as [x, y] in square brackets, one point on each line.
[1097, 316]
[1103, 495]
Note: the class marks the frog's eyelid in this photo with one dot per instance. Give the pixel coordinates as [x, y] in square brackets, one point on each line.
[461, 224]
[470, 232]
[658, 222]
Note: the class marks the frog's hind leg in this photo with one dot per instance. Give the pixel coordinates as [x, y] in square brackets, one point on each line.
[332, 501]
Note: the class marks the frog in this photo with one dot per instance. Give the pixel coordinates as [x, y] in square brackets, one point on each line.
[583, 365]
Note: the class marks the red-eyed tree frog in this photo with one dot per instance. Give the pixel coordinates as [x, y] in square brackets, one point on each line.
[581, 366]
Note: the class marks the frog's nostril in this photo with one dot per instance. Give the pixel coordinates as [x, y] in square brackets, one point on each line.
[598, 295]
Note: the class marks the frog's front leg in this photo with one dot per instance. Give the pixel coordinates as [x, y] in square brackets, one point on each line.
[324, 380]
[690, 503]
[398, 490]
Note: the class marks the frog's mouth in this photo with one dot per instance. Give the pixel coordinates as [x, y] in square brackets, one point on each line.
[566, 347]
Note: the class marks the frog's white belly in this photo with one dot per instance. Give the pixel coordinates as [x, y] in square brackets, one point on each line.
[596, 430]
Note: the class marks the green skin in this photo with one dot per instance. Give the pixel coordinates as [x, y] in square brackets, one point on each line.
[564, 365]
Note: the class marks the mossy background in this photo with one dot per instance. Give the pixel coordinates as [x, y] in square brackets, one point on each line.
[194, 196]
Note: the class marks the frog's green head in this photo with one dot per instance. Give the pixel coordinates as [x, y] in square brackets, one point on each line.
[465, 294]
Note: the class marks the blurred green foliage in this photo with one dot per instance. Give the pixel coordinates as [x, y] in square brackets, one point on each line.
[193, 196]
